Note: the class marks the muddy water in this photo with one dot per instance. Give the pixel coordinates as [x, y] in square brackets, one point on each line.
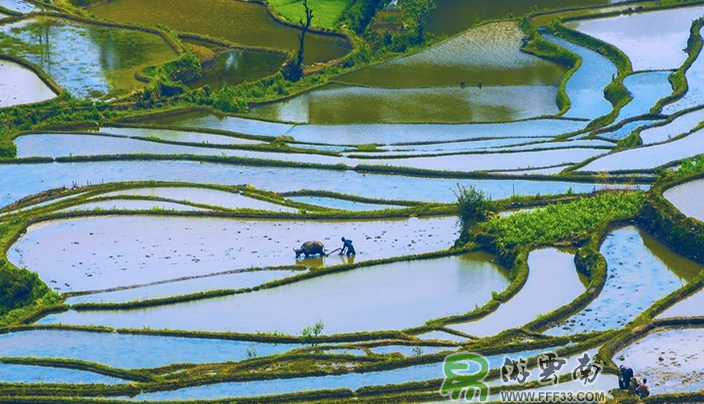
[646, 88]
[681, 124]
[546, 266]
[396, 296]
[586, 86]
[695, 89]
[343, 104]
[671, 360]
[88, 61]
[665, 32]
[21, 86]
[129, 351]
[243, 23]
[453, 16]
[640, 270]
[43, 374]
[177, 135]
[643, 158]
[21, 180]
[688, 198]
[238, 280]
[205, 196]
[490, 54]
[234, 67]
[341, 203]
[99, 253]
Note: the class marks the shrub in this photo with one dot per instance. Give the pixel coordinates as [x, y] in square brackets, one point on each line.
[473, 205]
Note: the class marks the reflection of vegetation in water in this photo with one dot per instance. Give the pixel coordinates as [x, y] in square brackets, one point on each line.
[253, 26]
[453, 16]
[88, 61]
[490, 54]
[234, 67]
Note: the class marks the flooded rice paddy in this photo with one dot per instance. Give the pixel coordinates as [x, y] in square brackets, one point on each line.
[19, 85]
[89, 61]
[11, 373]
[20, 180]
[671, 360]
[695, 91]
[652, 40]
[687, 198]
[680, 125]
[546, 266]
[19, 6]
[349, 104]
[640, 270]
[103, 252]
[253, 27]
[489, 54]
[647, 157]
[236, 66]
[129, 351]
[177, 136]
[117, 204]
[646, 89]
[397, 296]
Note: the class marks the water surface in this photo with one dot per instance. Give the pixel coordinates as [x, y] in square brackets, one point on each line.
[687, 198]
[102, 252]
[682, 124]
[19, 85]
[396, 296]
[490, 54]
[640, 270]
[21, 180]
[177, 135]
[546, 266]
[652, 40]
[244, 23]
[10, 373]
[129, 351]
[646, 88]
[671, 360]
[695, 90]
[343, 104]
[88, 61]
[236, 66]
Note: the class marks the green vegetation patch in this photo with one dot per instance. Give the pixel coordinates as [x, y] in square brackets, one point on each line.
[559, 222]
[326, 13]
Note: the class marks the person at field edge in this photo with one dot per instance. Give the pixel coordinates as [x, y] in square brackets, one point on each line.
[347, 247]
[643, 390]
[625, 374]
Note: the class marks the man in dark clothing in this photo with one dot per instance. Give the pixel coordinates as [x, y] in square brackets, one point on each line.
[625, 374]
[347, 247]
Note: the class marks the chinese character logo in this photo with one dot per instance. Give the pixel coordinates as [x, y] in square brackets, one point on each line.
[550, 364]
[515, 371]
[586, 371]
[462, 376]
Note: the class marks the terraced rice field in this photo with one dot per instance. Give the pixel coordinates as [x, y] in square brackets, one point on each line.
[165, 242]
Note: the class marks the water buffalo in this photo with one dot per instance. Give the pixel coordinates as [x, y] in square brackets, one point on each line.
[311, 248]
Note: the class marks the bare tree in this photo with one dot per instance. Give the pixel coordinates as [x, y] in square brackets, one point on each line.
[294, 70]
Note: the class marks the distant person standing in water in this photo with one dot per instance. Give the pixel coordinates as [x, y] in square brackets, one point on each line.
[643, 390]
[347, 247]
